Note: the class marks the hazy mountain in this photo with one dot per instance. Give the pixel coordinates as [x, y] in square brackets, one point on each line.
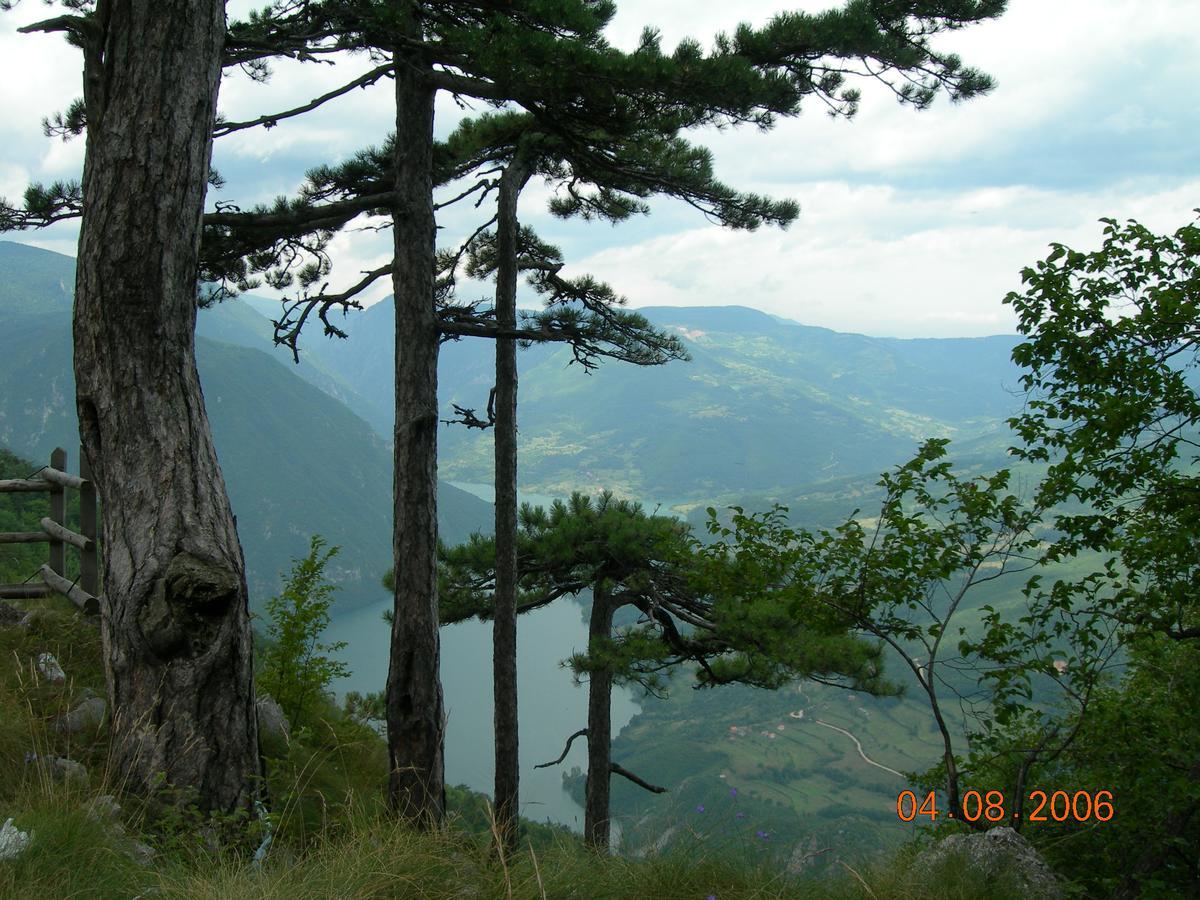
[767, 410]
[240, 323]
[764, 405]
[35, 281]
[296, 461]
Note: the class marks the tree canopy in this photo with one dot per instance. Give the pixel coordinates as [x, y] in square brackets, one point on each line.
[1111, 356]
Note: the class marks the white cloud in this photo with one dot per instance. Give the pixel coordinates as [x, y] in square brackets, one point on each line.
[881, 261]
[13, 181]
[911, 223]
[1055, 63]
[62, 159]
[42, 72]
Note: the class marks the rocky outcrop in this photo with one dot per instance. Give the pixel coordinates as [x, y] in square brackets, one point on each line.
[59, 767]
[87, 716]
[998, 853]
[105, 810]
[271, 719]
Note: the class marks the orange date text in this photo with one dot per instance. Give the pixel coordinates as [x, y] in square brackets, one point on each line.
[990, 807]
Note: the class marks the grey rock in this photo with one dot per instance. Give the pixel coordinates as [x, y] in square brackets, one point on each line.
[87, 715]
[104, 808]
[60, 767]
[804, 855]
[69, 770]
[271, 719]
[13, 841]
[9, 616]
[995, 853]
[38, 621]
[50, 669]
[141, 854]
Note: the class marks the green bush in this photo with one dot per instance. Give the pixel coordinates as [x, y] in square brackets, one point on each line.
[294, 666]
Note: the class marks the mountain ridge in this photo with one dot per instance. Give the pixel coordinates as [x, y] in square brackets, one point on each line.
[758, 407]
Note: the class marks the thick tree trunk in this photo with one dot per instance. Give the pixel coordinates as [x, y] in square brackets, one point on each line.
[504, 625]
[596, 830]
[175, 625]
[414, 690]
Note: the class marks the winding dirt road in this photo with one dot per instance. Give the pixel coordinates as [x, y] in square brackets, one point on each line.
[860, 749]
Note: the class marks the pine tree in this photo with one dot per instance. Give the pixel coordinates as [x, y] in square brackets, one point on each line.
[175, 618]
[651, 564]
[612, 121]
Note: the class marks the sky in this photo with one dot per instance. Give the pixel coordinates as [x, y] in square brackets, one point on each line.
[912, 224]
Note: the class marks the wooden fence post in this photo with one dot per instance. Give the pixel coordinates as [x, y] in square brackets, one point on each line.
[88, 576]
[58, 512]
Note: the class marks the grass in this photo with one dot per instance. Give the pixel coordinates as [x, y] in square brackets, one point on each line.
[72, 856]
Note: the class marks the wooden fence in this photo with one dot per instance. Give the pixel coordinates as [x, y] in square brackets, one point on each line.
[56, 481]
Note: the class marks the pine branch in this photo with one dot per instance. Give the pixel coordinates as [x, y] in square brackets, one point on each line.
[640, 782]
[287, 329]
[582, 732]
[270, 121]
[82, 26]
[311, 217]
[467, 416]
[483, 329]
[464, 85]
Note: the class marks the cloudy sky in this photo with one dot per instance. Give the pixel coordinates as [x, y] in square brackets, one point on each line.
[912, 224]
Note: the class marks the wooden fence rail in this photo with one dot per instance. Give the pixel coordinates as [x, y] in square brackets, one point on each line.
[56, 481]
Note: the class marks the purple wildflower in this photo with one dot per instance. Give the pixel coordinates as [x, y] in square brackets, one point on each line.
[741, 815]
[733, 792]
[700, 808]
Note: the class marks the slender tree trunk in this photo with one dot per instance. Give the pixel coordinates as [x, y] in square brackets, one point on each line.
[596, 830]
[504, 626]
[175, 625]
[414, 690]
[952, 786]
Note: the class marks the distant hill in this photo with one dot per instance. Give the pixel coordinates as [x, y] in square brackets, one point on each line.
[296, 460]
[239, 322]
[35, 280]
[768, 410]
[764, 405]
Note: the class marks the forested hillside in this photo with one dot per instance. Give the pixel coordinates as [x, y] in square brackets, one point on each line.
[763, 404]
[297, 462]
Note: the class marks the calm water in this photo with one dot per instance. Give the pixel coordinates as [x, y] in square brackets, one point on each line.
[551, 705]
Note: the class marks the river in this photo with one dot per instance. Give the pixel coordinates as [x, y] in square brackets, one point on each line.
[551, 706]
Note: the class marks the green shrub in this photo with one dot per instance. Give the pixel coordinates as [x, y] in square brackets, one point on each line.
[294, 666]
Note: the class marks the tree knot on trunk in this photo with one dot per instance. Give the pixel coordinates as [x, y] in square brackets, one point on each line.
[188, 605]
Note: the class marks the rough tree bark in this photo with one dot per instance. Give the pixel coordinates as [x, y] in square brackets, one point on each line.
[504, 625]
[414, 690]
[175, 624]
[596, 826]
